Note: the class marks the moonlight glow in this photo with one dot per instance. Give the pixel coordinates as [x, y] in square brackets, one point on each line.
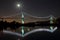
[18, 5]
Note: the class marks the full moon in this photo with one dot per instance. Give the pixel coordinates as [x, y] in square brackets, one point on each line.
[18, 5]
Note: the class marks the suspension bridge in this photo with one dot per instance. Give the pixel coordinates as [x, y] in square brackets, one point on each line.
[22, 16]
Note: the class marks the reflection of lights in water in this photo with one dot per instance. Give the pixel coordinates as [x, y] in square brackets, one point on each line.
[33, 31]
[12, 33]
[18, 39]
[22, 30]
[8, 28]
[28, 29]
[51, 27]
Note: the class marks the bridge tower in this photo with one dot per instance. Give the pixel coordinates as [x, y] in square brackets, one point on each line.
[22, 25]
[51, 22]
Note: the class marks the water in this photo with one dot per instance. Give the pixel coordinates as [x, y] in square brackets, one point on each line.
[40, 35]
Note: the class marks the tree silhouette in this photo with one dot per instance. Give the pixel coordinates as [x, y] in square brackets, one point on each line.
[58, 22]
[1, 25]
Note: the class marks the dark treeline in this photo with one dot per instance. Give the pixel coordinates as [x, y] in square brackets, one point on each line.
[12, 25]
[15, 25]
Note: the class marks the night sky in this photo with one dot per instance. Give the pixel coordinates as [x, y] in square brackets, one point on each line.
[34, 7]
